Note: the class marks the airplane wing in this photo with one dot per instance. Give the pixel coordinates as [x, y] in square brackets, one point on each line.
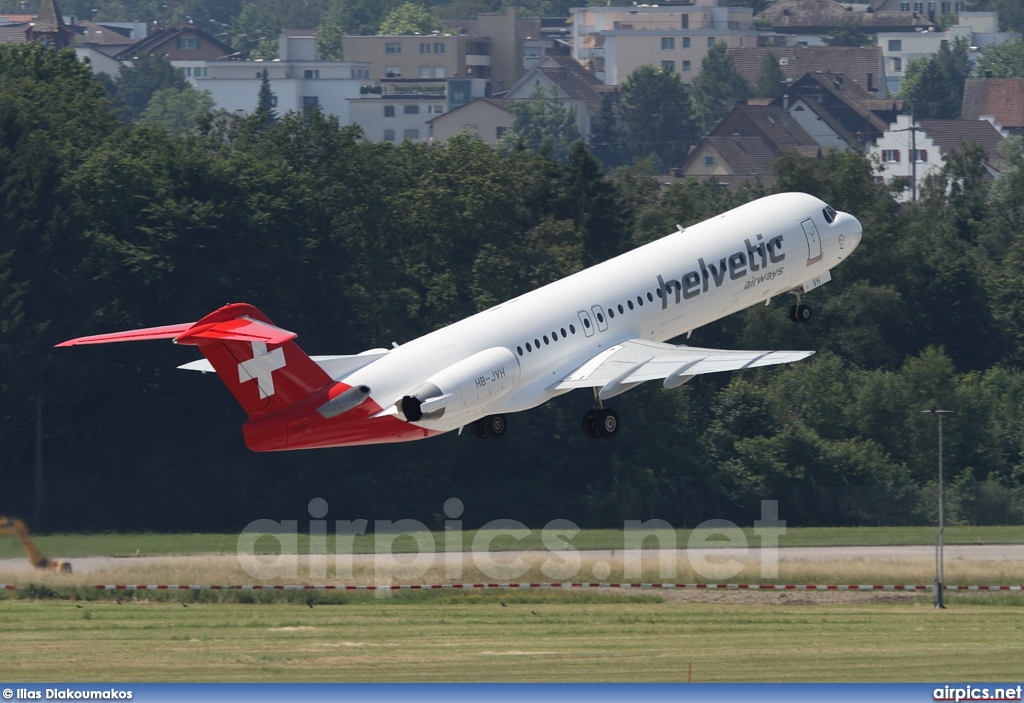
[625, 365]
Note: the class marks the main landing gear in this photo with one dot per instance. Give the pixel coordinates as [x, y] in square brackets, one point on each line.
[799, 312]
[491, 427]
[601, 422]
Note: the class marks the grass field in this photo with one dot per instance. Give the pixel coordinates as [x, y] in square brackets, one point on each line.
[150, 544]
[541, 636]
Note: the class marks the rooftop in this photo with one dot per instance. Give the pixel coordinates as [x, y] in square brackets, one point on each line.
[1002, 98]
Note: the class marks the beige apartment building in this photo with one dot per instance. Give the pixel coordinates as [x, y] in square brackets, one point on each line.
[421, 56]
[615, 41]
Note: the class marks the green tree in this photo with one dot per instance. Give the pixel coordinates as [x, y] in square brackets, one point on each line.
[543, 123]
[770, 79]
[656, 115]
[137, 83]
[330, 35]
[266, 101]
[409, 18]
[362, 17]
[1003, 60]
[848, 33]
[177, 110]
[935, 85]
[717, 89]
[606, 134]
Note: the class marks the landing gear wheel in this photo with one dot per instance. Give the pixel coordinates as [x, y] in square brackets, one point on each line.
[792, 314]
[607, 422]
[590, 427]
[491, 427]
[803, 313]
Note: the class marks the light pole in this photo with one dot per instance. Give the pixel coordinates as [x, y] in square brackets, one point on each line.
[939, 581]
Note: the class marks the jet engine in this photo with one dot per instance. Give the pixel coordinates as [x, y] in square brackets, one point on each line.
[462, 387]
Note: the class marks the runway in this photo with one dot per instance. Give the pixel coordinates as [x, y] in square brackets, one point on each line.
[1010, 555]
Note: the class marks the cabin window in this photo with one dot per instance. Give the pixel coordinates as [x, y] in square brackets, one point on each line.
[650, 298]
[572, 329]
[630, 304]
[520, 350]
[528, 348]
[546, 342]
[564, 335]
[611, 314]
[639, 301]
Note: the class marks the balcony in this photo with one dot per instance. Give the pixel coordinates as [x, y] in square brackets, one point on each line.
[477, 60]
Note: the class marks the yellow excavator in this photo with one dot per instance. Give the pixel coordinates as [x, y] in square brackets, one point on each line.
[14, 526]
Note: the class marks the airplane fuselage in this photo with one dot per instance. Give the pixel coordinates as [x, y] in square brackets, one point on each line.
[510, 357]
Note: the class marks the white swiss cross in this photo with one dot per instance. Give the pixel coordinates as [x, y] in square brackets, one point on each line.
[261, 367]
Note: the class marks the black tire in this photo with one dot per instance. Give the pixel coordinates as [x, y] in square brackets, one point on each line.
[496, 425]
[481, 426]
[590, 424]
[803, 313]
[607, 423]
[792, 314]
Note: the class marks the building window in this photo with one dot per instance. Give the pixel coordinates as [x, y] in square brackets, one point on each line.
[309, 104]
[411, 134]
[424, 71]
[438, 71]
[897, 64]
[709, 160]
[393, 47]
[499, 132]
[435, 109]
[389, 110]
[922, 155]
[200, 72]
[411, 109]
[686, 21]
[312, 74]
[958, 6]
[904, 7]
[686, 66]
[668, 43]
[686, 42]
[470, 129]
[393, 72]
[895, 45]
[187, 42]
[946, 7]
[890, 156]
[668, 65]
[918, 7]
[424, 47]
[389, 135]
[438, 47]
[711, 42]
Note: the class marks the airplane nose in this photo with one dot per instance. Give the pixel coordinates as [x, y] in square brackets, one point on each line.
[851, 232]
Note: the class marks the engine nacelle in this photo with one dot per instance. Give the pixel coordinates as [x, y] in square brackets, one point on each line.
[463, 386]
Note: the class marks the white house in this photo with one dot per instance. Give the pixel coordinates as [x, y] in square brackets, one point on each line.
[915, 151]
[298, 80]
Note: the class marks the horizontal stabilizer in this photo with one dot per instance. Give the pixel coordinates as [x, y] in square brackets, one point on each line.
[165, 332]
[637, 361]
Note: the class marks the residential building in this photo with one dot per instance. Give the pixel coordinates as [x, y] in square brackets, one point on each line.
[509, 38]
[809, 22]
[404, 108]
[299, 81]
[186, 43]
[910, 151]
[745, 144]
[419, 57]
[47, 27]
[932, 9]
[838, 112]
[564, 77]
[615, 41]
[1002, 99]
[109, 39]
[487, 118]
[861, 65]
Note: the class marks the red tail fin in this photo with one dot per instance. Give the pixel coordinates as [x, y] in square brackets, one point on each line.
[258, 362]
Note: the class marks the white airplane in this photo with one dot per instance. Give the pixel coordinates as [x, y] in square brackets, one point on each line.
[602, 328]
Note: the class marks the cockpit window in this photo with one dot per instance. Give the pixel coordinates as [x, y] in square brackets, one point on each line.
[830, 214]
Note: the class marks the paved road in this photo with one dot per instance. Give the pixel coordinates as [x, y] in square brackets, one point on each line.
[1004, 553]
